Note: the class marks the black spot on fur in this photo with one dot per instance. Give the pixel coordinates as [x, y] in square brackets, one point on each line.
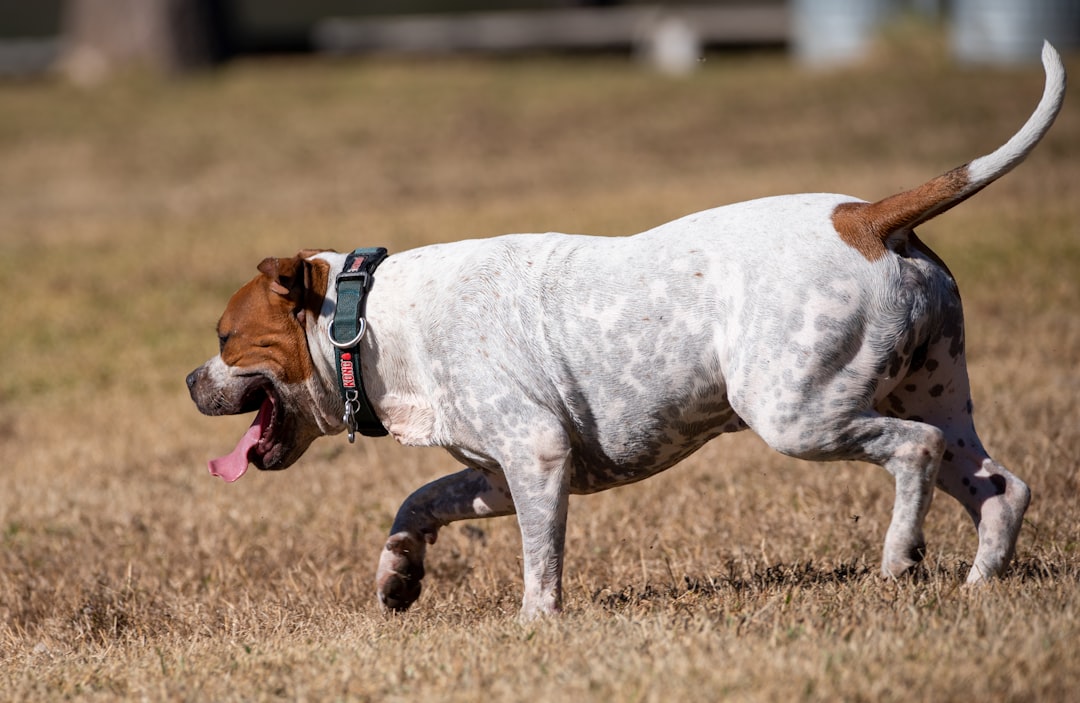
[947, 456]
[999, 484]
[931, 365]
[911, 388]
[936, 390]
[966, 481]
[918, 358]
[960, 443]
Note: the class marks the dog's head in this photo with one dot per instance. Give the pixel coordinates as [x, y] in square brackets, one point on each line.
[265, 365]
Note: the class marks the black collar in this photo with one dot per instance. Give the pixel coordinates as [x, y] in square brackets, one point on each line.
[353, 284]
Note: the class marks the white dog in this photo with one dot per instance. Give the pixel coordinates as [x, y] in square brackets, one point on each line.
[552, 364]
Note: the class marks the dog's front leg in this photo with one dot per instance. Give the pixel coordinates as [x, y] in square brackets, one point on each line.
[541, 489]
[467, 494]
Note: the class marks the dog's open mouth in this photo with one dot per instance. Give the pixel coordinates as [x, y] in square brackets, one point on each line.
[259, 445]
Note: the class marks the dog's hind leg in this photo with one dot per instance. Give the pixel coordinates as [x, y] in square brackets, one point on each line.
[910, 451]
[467, 494]
[994, 498]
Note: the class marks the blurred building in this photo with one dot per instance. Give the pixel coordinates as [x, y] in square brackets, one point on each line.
[88, 36]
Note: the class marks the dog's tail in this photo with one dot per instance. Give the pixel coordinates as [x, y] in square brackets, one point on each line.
[867, 226]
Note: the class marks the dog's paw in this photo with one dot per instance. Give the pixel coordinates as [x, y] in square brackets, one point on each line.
[898, 562]
[401, 568]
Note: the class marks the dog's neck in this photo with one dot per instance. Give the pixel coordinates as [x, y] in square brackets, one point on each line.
[324, 384]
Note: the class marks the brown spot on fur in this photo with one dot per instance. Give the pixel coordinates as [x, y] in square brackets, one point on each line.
[865, 227]
[263, 325]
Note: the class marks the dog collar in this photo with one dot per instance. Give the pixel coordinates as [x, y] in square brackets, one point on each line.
[353, 284]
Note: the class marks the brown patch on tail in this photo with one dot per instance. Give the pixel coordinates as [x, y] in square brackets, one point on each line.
[865, 227]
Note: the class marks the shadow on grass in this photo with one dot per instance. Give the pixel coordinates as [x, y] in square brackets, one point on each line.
[742, 582]
[738, 581]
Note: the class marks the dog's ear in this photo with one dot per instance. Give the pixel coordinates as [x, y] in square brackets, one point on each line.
[308, 253]
[286, 276]
[299, 280]
[316, 278]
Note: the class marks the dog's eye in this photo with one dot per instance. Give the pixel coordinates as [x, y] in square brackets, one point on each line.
[222, 341]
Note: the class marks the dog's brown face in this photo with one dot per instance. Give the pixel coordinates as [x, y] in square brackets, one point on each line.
[265, 365]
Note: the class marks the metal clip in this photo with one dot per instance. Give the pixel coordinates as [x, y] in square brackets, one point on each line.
[352, 404]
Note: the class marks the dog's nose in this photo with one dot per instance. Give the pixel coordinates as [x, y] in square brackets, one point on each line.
[191, 380]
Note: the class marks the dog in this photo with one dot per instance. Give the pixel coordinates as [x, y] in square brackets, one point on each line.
[554, 364]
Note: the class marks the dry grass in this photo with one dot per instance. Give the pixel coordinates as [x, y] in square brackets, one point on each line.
[128, 216]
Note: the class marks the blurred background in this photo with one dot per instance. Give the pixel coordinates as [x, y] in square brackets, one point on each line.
[86, 40]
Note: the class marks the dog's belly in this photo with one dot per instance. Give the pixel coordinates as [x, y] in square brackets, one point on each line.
[646, 448]
[638, 351]
[647, 389]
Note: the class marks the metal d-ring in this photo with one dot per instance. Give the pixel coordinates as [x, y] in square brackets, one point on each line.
[352, 342]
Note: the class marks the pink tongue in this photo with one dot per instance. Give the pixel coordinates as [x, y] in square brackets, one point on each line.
[233, 465]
